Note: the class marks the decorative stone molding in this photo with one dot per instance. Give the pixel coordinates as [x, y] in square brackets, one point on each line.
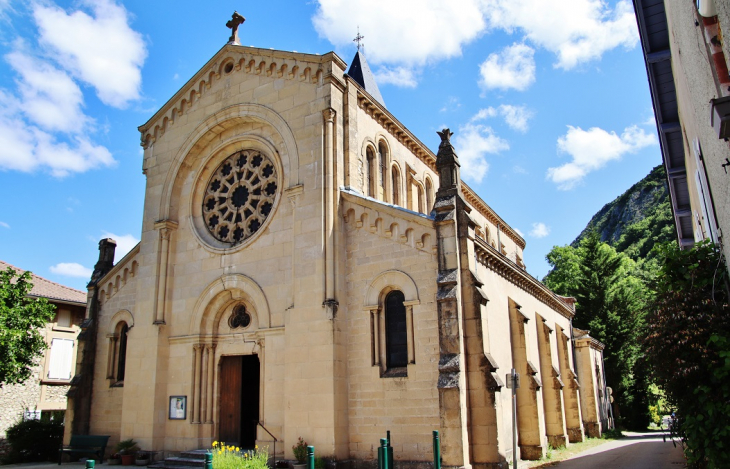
[388, 221]
[118, 277]
[494, 261]
[306, 68]
[422, 152]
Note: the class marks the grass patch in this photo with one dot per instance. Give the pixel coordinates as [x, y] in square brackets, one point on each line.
[555, 455]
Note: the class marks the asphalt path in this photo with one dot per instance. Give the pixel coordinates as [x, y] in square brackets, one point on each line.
[634, 451]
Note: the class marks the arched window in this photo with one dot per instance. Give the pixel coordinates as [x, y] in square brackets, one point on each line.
[421, 201]
[371, 173]
[429, 195]
[122, 355]
[383, 161]
[396, 186]
[396, 335]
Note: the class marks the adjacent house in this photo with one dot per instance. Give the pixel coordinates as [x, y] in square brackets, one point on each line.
[687, 54]
[44, 394]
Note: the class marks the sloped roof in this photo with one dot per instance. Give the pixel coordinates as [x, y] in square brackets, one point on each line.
[51, 290]
[360, 72]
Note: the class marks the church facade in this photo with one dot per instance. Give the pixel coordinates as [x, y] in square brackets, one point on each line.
[308, 268]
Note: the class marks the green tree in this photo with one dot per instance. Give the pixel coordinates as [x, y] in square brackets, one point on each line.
[688, 346]
[21, 319]
[609, 303]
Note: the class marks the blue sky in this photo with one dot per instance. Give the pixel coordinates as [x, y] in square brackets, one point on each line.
[548, 100]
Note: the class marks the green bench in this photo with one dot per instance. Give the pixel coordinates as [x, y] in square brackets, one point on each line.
[85, 444]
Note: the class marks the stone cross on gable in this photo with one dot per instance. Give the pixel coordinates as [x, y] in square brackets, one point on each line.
[235, 21]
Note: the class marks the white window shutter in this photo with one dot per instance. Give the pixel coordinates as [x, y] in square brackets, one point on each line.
[61, 357]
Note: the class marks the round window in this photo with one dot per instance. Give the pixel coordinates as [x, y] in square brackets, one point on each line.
[239, 196]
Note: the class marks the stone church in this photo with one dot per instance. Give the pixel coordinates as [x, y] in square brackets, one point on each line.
[307, 267]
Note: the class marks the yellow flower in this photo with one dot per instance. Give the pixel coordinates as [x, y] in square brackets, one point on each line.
[256, 446]
[215, 443]
[220, 451]
[238, 449]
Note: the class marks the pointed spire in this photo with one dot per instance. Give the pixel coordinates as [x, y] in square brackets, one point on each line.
[360, 72]
[447, 163]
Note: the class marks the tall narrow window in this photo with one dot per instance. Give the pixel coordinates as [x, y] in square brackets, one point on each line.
[396, 186]
[429, 195]
[383, 161]
[372, 175]
[396, 335]
[421, 202]
[121, 363]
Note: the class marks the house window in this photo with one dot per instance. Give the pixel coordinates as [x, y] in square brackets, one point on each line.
[396, 335]
[61, 361]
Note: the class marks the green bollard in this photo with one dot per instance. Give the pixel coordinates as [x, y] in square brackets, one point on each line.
[310, 457]
[436, 450]
[389, 452]
[383, 454]
[90, 463]
[208, 460]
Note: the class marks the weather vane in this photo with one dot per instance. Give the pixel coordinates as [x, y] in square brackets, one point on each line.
[358, 39]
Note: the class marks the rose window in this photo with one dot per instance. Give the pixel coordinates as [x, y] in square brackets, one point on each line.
[239, 196]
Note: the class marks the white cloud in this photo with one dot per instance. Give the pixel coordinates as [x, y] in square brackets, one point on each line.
[101, 50]
[576, 31]
[48, 96]
[519, 169]
[592, 149]
[71, 269]
[539, 230]
[406, 32]
[125, 243]
[513, 67]
[4, 225]
[399, 76]
[516, 117]
[472, 143]
[451, 105]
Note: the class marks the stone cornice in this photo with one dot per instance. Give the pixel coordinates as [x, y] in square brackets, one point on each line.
[310, 68]
[118, 276]
[507, 269]
[386, 120]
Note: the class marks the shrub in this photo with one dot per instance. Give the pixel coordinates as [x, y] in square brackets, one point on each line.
[232, 457]
[300, 450]
[34, 440]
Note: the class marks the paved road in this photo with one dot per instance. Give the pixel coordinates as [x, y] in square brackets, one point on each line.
[635, 451]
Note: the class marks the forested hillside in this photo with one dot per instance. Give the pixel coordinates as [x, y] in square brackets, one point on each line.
[637, 219]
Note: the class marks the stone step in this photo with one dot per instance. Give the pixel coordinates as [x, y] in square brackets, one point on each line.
[194, 454]
[186, 462]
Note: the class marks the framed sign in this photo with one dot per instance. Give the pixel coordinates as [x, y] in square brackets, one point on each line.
[178, 407]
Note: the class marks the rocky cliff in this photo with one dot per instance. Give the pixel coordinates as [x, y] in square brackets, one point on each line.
[637, 219]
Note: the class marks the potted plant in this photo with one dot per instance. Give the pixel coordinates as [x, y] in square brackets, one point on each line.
[300, 453]
[127, 449]
[114, 460]
[143, 458]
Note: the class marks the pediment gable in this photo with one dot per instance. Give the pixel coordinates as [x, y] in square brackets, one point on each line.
[311, 68]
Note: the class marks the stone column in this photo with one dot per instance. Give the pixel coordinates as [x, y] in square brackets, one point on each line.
[375, 321]
[111, 356]
[329, 121]
[165, 228]
[210, 381]
[197, 359]
[409, 331]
